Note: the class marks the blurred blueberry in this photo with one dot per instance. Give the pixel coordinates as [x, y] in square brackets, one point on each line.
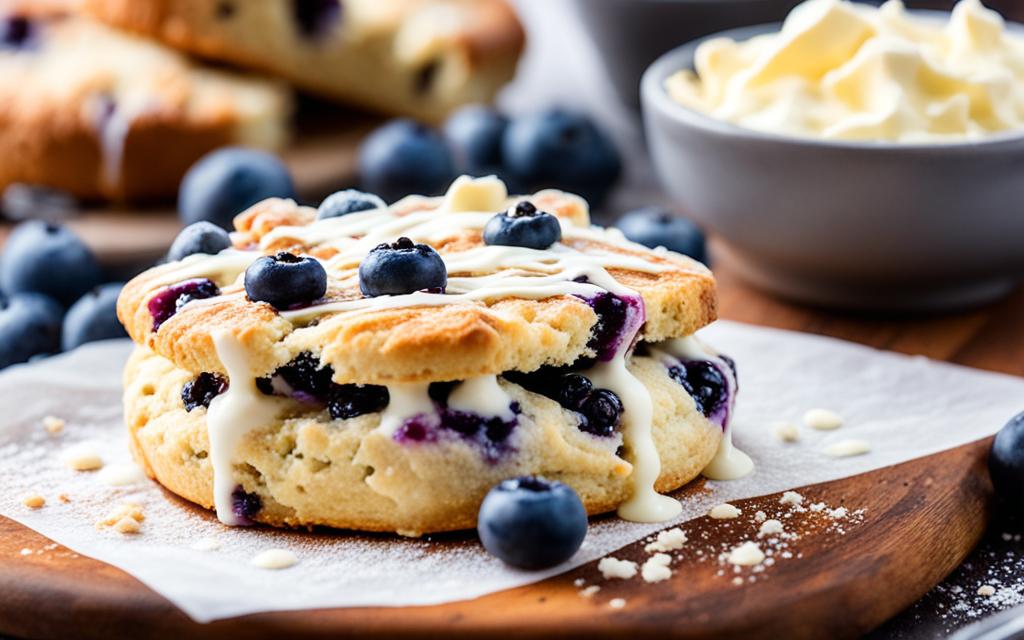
[29, 326]
[532, 523]
[1006, 463]
[199, 237]
[348, 201]
[404, 157]
[47, 258]
[227, 181]
[474, 134]
[561, 150]
[93, 317]
[655, 227]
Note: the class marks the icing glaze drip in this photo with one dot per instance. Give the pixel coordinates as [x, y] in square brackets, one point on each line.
[231, 416]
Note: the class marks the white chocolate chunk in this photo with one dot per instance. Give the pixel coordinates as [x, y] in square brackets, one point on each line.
[823, 419]
[668, 540]
[274, 559]
[656, 568]
[786, 431]
[791, 497]
[617, 603]
[747, 554]
[614, 568]
[848, 448]
[724, 511]
[771, 527]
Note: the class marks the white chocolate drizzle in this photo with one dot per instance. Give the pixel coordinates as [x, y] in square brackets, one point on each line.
[230, 416]
[476, 276]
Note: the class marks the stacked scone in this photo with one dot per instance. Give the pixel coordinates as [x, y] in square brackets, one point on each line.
[381, 368]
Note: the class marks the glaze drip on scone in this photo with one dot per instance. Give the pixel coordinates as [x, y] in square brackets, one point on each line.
[476, 409]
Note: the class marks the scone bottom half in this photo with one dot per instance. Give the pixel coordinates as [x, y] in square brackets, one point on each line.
[398, 412]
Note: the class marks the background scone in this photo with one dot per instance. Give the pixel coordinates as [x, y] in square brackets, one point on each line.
[107, 115]
[411, 57]
[571, 358]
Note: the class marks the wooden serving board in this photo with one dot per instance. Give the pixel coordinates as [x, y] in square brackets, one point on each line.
[921, 519]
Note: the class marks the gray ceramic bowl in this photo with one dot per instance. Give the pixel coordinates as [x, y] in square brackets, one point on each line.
[860, 225]
[630, 34]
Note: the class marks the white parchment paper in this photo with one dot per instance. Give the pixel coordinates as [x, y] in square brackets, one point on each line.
[904, 406]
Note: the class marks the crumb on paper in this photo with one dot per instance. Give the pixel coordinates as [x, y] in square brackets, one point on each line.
[206, 544]
[656, 568]
[82, 459]
[617, 603]
[747, 554]
[823, 419]
[34, 501]
[786, 431]
[64, 498]
[53, 424]
[274, 559]
[121, 475]
[792, 498]
[589, 592]
[126, 519]
[986, 590]
[848, 448]
[771, 527]
[614, 568]
[668, 540]
[724, 511]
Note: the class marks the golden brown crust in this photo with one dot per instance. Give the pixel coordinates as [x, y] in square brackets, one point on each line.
[381, 346]
[311, 470]
[411, 57]
[65, 135]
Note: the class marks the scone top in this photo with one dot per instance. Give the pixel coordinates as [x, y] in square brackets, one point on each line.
[503, 308]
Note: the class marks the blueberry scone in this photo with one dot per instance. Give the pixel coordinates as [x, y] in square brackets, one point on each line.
[419, 58]
[382, 369]
[106, 115]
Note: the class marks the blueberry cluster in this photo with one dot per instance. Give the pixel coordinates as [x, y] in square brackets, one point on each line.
[554, 148]
[400, 268]
[523, 226]
[613, 316]
[599, 410]
[52, 295]
[705, 383]
[308, 380]
[201, 391]
[166, 303]
[657, 227]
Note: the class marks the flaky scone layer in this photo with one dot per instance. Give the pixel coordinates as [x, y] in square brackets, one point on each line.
[380, 345]
[311, 470]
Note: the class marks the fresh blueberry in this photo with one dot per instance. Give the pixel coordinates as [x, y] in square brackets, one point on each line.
[29, 326]
[227, 181]
[199, 237]
[561, 150]
[1006, 463]
[316, 18]
[532, 523]
[15, 32]
[523, 226]
[201, 391]
[169, 301]
[475, 133]
[401, 267]
[352, 400]
[93, 317]
[404, 157]
[348, 201]
[655, 227]
[50, 259]
[285, 280]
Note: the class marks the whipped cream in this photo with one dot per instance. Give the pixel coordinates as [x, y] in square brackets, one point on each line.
[844, 71]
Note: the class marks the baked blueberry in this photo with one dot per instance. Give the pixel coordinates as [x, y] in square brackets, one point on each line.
[348, 201]
[562, 150]
[573, 390]
[169, 301]
[29, 326]
[245, 505]
[306, 374]
[285, 280]
[1006, 463]
[315, 18]
[613, 314]
[532, 523]
[93, 317]
[475, 133]
[404, 157]
[225, 182]
[199, 237]
[523, 226]
[704, 382]
[201, 391]
[351, 400]
[401, 267]
[656, 227]
[602, 411]
[50, 259]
